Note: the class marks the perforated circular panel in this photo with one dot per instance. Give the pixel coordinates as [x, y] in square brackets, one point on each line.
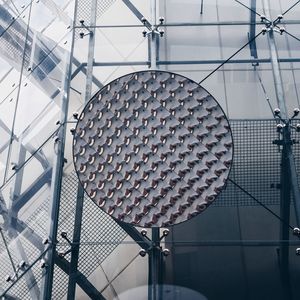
[152, 148]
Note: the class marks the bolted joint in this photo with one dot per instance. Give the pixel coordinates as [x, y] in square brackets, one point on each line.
[61, 253]
[14, 166]
[142, 252]
[296, 231]
[166, 252]
[166, 232]
[296, 111]
[22, 264]
[298, 251]
[277, 111]
[263, 18]
[279, 18]
[45, 241]
[144, 20]
[298, 127]
[144, 232]
[279, 127]
[64, 234]
[281, 30]
[43, 264]
[264, 30]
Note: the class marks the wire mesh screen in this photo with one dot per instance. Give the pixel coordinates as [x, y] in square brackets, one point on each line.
[100, 234]
[256, 165]
[85, 6]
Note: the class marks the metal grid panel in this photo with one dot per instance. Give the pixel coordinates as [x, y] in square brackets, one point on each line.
[256, 165]
[21, 289]
[100, 234]
[60, 283]
[101, 229]
[85, 6]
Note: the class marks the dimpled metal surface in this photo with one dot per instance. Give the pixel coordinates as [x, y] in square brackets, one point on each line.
[152, 149]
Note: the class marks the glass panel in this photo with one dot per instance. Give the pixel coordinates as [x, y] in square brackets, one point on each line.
[236, 245]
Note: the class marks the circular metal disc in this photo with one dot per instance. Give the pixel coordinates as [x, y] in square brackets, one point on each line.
[152, 149]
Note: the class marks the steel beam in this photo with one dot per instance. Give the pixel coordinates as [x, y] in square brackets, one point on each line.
[81, 280]
[288, 167]
[253, 49]
[43, 179]
[137, 13]
[155, 267]
[154, 252]
[80, 191]
[234, 243]
[285, 200]
[188, 62]
[153, 37]
[195, 24]
[143, 242]
[57, 174]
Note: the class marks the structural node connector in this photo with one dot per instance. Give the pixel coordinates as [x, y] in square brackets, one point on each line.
[142, 252]
[296, 231]
[166, 252]
[276, 111]
[144, 232]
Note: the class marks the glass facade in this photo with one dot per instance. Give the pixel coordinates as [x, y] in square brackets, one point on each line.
[56, 54]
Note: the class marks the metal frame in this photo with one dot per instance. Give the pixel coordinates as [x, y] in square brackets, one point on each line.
[288, 182]
[80, 192]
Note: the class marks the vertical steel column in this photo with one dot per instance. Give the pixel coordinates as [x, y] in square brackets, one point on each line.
[80, 191]
[57, 174]
[253, 49]
[284, 114]
[154, 279]
[288, 168]
[155, 267]
[285, 200]
[153, 41]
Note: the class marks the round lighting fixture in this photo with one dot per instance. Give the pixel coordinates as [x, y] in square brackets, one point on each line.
[152, 148]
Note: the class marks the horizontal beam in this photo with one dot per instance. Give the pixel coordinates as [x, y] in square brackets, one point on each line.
[220, 61]
[234, 243]
[192, 62]
[192, 24]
